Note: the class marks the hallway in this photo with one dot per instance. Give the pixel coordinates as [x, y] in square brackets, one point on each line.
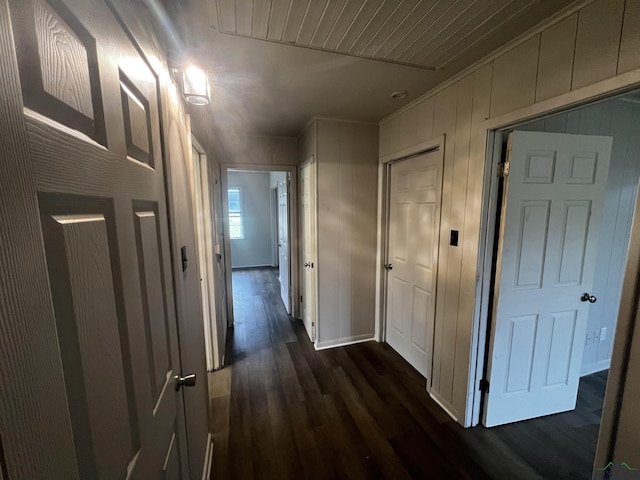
[281, 410]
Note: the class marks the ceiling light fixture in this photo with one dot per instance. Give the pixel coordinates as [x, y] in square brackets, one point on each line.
[195, 86]
[399, 94]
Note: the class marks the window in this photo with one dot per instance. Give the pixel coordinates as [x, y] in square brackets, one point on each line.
[236, 222]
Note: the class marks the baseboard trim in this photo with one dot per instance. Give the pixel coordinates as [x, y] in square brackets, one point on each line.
[343, 342]
[251, 267]
[208, 459]
[446, 406]
[595, 367]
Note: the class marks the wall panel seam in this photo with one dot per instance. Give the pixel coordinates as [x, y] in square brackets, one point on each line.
[575, 46]
[624, 10]
[537, 76]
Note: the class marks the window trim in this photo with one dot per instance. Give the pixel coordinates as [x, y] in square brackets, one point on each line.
[236, 213]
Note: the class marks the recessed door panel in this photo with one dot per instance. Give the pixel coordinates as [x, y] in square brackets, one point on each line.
[426, 236]
[575, 230]
[171, 468]
[420, 313]
[398, 288]
[153, 295]
[92, 334]
[540, 166]
[522, 339]
[532, 243]
[401, 233]
[64, 64]
[563, 329]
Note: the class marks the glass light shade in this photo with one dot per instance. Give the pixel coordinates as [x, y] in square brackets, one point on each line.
[195, 86]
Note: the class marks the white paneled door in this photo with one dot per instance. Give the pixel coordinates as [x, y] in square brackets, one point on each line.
[412, 259]
[551, 213]
[94, 360]
[283, 242]
[308, 241]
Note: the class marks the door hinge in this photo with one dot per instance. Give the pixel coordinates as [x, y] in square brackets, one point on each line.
[484, 385]
[300, 298]
[504, 169]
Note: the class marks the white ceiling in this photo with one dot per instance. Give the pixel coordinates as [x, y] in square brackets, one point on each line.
[276, 63]
[428, 33]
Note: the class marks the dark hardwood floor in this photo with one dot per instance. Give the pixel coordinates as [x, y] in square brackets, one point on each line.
[281, 410]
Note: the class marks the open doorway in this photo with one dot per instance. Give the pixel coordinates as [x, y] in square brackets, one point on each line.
[205, 200]
[260, 233]
[560, 225]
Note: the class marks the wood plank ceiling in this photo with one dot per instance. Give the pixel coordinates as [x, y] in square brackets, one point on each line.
[428, 34]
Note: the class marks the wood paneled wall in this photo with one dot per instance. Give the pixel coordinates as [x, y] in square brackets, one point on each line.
[587, 46]
[621, 120]
[347, 178]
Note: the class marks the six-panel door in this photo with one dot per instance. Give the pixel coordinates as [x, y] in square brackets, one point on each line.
[91, 113]
[547, 253]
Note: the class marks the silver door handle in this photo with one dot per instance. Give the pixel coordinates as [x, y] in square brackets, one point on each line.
[388, 266]
[186, 381]
[588, 298]
[307, 264]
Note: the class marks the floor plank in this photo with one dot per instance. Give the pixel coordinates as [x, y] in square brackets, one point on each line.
[280, 409]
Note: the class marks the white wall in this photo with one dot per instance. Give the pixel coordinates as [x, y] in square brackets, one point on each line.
[543, 70]
[620, 120]
[346, 171]
[258, 150]
[255, 249]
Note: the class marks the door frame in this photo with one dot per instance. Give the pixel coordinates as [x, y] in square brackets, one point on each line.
[314, 187]
[384, 197]
[294, 288]
[215, 357]
[488, 146]
[384, 190]
[273, 203]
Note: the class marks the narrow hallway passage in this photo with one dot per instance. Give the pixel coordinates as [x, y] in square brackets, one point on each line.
[281, 410]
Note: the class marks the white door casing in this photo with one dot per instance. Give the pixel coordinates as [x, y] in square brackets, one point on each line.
[552, 207]
[412, 257]
[219, 256]
[98, 269]
[283, 242]
[308, 250]
[202, 193]
[187, 285]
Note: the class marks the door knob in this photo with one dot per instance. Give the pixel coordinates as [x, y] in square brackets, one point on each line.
[307, 264]
[388, 266]
[588, 298]
[186, 381]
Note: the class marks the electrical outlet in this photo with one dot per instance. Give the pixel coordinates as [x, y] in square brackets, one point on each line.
[603, 334]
